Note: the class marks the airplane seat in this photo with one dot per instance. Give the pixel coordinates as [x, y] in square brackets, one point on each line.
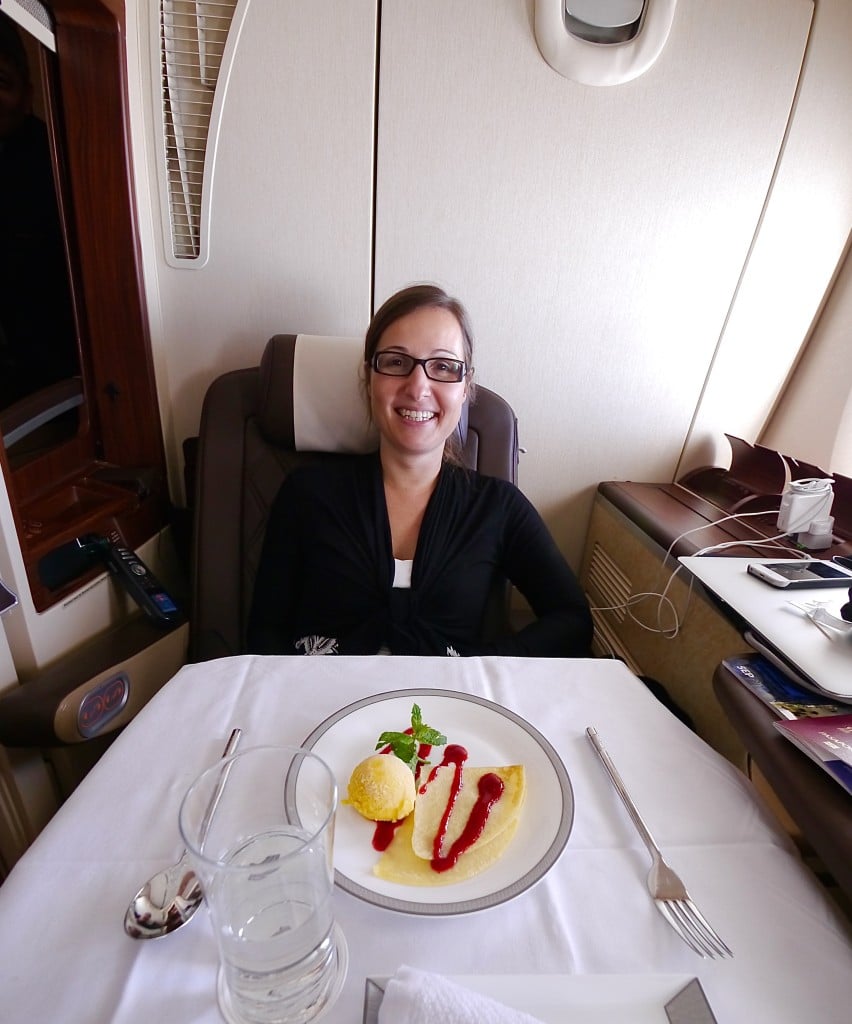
[303, 403]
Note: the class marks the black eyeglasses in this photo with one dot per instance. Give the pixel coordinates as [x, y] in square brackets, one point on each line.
[399, 364]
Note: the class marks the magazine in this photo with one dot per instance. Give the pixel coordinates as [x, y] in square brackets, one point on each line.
[786, 698]
[827, 741]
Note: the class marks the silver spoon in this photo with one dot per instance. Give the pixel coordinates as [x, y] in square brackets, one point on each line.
[170, 898]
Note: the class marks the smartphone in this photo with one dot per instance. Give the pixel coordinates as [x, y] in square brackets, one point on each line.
[811, 573]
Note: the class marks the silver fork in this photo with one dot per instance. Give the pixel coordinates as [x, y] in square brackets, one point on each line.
[666, 888]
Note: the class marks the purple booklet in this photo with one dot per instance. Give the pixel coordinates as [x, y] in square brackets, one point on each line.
[827, 741]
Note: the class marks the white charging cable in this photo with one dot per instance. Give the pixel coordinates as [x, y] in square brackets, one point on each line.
[664, 602]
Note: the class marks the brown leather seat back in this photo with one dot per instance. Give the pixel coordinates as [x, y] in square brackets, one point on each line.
[247, 445]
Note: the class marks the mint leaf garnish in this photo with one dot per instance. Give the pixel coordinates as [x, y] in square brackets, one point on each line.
[402, 744]
[405, 745]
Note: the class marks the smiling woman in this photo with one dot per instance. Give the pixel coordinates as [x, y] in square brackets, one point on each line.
[422, 316]
[398, 551]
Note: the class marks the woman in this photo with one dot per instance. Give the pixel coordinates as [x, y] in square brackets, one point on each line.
[398, 551]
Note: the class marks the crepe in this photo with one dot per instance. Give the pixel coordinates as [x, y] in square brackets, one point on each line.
[399, 863]
[431, 805]
[408, 859]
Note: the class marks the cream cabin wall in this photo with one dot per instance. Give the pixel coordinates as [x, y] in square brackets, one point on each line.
[290, 231]
[597, 234]
[813, 420]
[803, 234]
[605, 240]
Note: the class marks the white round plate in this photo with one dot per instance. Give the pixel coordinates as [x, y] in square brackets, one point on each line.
[493, 737]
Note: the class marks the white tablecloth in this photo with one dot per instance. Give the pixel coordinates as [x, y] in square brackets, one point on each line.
[64, 956]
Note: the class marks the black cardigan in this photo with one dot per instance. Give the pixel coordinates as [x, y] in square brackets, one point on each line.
[324, 583]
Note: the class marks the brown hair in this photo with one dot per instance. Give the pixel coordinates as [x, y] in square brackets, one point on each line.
[409, 300]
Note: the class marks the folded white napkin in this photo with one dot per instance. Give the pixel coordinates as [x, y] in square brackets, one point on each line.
[419, 997]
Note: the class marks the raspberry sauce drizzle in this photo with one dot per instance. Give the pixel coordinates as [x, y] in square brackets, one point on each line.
[453, 754]
[384, 833]
[490, 789]
[386, 830]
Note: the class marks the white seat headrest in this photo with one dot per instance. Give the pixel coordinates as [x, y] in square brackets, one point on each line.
[330, 411]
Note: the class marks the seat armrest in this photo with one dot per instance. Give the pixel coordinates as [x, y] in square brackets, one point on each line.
[95, 689]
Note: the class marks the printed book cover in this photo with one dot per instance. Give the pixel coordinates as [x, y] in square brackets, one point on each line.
[786, 698]
[827, 741]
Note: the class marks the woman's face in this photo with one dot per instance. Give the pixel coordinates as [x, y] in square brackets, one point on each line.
[416, 415]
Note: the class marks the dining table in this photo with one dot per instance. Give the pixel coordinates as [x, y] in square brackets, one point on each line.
[581, 913]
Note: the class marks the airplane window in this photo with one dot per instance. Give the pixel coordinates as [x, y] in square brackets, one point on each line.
[602, 42]
[604, 21]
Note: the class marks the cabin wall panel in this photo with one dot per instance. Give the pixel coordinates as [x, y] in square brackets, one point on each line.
[803, 236]
[291, 225]
[596, 234]
[640, 269]
[813, 421]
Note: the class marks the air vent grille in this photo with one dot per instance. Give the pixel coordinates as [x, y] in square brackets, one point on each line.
[611, 586]
[193, 38]
[606, 644]
[34, 18]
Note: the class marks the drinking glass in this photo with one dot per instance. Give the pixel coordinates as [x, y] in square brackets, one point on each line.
[259, 828]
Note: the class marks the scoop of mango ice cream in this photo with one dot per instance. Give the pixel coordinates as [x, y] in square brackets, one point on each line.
[381, 788]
